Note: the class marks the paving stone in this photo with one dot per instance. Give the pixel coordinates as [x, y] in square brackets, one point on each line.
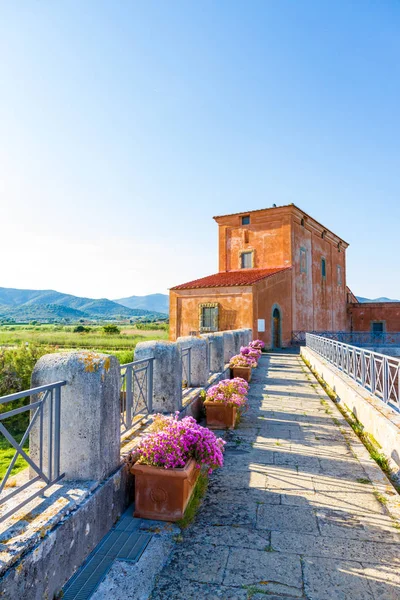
[341, 548]
[357, 526]
[234, 507]
[286, 518]
[383, 580]
[247, 460]
[327, 579]
[240, 537]
[203, 563]
[271, 571]
[234, 480]
[263, 596]
[170, 589]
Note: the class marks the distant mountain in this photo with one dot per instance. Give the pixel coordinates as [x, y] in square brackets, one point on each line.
[382, 299]
[49, 305]
[157, 302]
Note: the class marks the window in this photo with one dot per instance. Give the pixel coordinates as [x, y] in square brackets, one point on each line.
[339, 275]
[246, 220]
[246, 260]
[208, 316]
[303, 260]
[323, 234]
[323, 268]
[303, 222]
[377, 327]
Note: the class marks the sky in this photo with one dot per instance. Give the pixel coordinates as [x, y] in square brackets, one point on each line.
[125, 126]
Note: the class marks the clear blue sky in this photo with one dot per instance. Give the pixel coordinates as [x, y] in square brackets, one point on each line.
[126, 125]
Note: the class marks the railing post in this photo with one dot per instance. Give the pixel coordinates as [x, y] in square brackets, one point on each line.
[57, 430]
[385, 374]
[150, 386]
[129, 396]
[362, 368]
[373, 373]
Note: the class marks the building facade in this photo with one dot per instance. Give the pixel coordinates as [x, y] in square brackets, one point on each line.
[280, 272]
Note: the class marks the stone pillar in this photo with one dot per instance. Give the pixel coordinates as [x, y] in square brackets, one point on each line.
[89, 413]
[198, 359]
[229, 345]
[216, 349]
[167, 374]
[248, 336]
[238, 340]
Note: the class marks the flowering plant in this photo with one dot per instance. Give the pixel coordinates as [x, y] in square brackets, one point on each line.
[172, 443]
[251, 352]
[229, 391]
[257, 344]
[242, 361]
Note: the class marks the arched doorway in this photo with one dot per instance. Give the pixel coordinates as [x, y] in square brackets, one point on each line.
[276, 328]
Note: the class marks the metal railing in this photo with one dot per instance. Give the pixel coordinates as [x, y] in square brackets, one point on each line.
[186, 354]
[356, 338]
[136, 395]
[45, 411]
[377, 373]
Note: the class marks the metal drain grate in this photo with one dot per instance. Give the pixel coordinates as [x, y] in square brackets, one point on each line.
[124, 542]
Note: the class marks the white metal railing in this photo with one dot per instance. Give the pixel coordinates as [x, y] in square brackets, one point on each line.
[377, 373]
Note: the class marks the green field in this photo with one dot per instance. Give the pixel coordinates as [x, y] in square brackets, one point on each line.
[21, 347]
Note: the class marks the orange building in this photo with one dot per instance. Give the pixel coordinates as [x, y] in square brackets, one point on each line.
[374, 317]
[280, 271]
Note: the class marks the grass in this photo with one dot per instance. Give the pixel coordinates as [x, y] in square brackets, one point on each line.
[195, 501]
[7, 452]
[95, 339]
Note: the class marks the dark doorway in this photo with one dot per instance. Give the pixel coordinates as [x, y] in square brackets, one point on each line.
[276, 328]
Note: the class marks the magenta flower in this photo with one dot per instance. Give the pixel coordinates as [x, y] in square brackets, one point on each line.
[172, 442]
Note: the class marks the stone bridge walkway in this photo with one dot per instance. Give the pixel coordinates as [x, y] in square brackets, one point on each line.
[292, 514]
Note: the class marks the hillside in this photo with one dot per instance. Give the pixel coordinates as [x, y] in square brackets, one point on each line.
[50, 305]
[382, 299]
[152, 302]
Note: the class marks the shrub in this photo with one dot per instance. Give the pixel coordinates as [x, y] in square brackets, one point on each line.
[81, 329]
[111, 329]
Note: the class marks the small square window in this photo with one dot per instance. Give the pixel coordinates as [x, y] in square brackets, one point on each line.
[246, 260]
[323, 268]
[246, 220]
[378, 327]
[303, 260]
[208, 317]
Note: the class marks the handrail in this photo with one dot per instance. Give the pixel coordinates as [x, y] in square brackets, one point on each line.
[378, 373]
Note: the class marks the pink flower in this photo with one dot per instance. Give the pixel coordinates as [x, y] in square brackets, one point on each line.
[173, 442]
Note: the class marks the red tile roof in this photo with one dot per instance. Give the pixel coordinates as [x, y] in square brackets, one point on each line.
[230, 278]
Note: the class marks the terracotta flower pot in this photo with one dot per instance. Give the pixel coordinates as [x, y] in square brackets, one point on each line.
[243, 372]
[219, 415]
[163, 494]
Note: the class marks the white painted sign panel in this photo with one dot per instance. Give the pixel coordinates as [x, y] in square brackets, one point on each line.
[261, 325]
